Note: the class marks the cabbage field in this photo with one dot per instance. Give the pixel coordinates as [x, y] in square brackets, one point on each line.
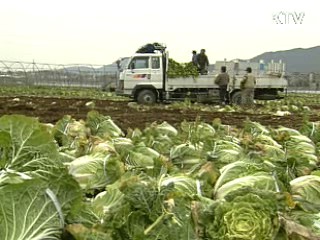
[91, 168]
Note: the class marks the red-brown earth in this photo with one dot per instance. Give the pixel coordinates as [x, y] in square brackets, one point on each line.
[50, 110]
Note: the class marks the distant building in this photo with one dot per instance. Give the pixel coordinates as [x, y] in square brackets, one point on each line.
[237, 67]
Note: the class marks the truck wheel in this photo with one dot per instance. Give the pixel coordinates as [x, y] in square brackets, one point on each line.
[236, 98]
[147, 97]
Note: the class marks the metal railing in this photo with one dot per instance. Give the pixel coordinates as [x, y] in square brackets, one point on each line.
[44, 74]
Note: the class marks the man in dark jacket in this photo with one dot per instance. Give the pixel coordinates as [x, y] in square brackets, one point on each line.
[222, 80]
[203, 62]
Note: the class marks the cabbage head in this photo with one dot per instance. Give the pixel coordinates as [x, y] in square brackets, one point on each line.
[311, 221]
[96, 170]
[247, 217]
[306, 192]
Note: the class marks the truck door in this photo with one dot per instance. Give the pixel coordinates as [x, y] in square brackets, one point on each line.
[138, 72]
[156, 70]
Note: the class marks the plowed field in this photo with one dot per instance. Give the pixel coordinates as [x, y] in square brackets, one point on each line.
[50, 110]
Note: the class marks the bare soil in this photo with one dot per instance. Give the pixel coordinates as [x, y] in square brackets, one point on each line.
[50, 110]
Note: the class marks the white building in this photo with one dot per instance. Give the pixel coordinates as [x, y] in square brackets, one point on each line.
[238, 67]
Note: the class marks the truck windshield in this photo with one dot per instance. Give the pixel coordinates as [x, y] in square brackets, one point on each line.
[139, 62]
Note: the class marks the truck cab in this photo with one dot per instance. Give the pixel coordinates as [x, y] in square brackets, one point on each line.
[143, 77]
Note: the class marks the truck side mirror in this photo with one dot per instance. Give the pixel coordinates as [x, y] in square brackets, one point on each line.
[132, 65]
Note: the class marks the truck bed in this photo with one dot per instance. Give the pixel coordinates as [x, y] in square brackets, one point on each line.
[207, 81]
[202, 81]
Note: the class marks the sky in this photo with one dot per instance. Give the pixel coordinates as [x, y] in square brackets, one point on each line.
[101, 31]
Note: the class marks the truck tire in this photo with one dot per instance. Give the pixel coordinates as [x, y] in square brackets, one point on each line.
[146, 97]
[236, 98]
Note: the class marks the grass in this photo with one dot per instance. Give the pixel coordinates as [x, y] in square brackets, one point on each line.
[60, 92]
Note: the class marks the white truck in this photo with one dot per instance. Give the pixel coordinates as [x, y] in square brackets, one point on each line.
[145, 79]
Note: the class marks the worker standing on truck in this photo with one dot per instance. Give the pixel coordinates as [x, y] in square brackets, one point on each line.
[247, 86]
[203, 62]
[194, 58]
[222, 80]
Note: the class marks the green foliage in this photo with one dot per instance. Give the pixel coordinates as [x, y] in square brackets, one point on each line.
[181, 69]
[192, 181]
[25, 144]
[59, 92]
[37, 196]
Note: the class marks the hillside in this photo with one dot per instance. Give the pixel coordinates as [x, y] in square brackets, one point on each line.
[304, 60]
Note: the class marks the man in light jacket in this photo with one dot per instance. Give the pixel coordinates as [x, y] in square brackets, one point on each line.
[247, 86]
